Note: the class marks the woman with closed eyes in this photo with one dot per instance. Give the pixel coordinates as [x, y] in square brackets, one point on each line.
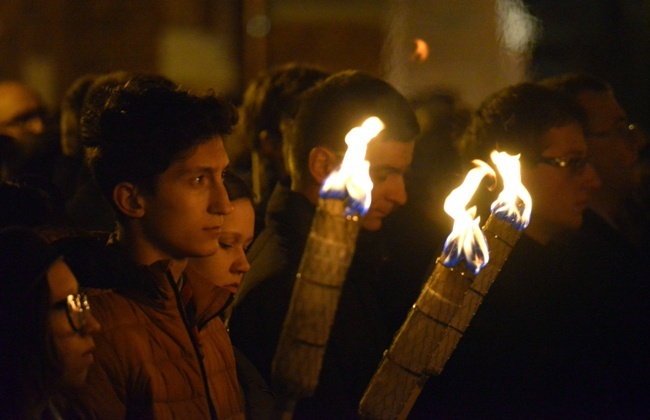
[226, 269]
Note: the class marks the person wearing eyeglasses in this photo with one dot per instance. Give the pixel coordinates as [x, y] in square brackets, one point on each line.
[547, 130]
[522, 355]
[22, 112]
[47, 328]
[613, 243]
[23, 118]
[615, 147]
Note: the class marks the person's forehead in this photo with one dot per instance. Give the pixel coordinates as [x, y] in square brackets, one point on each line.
[242, 220]
[15, 99]
[565, 140]
[242, 210]
[390, 153]
[207, 155]
[61, 281]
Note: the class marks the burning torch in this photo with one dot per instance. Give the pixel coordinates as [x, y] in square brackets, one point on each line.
[453, 292]
[344, 197]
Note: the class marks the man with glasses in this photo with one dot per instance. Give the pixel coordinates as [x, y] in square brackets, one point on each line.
[547, 130]
[613, 244]
[23, 119]
[21, 111]
[615, 146]
[523, 354]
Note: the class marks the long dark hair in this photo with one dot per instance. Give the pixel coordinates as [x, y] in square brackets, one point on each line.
[30, 370]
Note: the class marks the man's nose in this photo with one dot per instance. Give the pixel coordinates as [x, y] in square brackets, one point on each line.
[592, 180]
[35, 125]
[396, 191]
[219, 201]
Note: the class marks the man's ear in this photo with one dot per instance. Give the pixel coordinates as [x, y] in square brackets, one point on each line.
[321, 163]
[129, 200]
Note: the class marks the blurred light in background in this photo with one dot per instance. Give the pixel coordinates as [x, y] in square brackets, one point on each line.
[518, 29]
[258, 26]
[421, 51]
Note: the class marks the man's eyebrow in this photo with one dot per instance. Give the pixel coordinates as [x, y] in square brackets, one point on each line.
[575, 152]
[389, 168]
[197, 170]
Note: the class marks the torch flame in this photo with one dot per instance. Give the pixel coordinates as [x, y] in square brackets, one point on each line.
[514, 204]
[352, 178]
[466, 241]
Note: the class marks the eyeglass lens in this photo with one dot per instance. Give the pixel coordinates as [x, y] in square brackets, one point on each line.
[77, 307]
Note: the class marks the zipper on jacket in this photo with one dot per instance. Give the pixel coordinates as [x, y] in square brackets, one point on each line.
[197, 350]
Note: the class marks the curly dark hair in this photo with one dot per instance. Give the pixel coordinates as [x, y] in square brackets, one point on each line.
[137, 129]
[573, 84]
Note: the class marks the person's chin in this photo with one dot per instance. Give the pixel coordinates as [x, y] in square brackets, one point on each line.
[76, 380]
[232, 288]
[575, 222]
[371, 224]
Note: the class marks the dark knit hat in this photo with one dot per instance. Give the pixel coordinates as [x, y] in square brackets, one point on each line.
[24, 258]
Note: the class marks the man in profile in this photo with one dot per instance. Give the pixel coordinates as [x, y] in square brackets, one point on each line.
[158, 157]
[612, 246]
[314, 145]
[615, 147]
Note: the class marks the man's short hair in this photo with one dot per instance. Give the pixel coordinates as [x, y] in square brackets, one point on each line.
[515, 118]
[573, 84]
[136, 130]
[272, 96]
[329, 110]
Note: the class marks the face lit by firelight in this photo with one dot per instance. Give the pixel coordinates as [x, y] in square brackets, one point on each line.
[74, 348]
[559, 194]
[389, 160]
[228, 265]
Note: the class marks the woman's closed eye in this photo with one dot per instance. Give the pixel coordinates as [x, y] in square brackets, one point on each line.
[224, 245]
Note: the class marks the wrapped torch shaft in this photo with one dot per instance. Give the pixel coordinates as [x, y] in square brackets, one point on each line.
[501, 237]
[323, 268]
[402, 367]
[435, 324]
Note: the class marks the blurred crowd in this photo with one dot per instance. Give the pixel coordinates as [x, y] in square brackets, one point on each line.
[150, 239]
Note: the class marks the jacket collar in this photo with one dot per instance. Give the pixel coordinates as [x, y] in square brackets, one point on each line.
[210, 300]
